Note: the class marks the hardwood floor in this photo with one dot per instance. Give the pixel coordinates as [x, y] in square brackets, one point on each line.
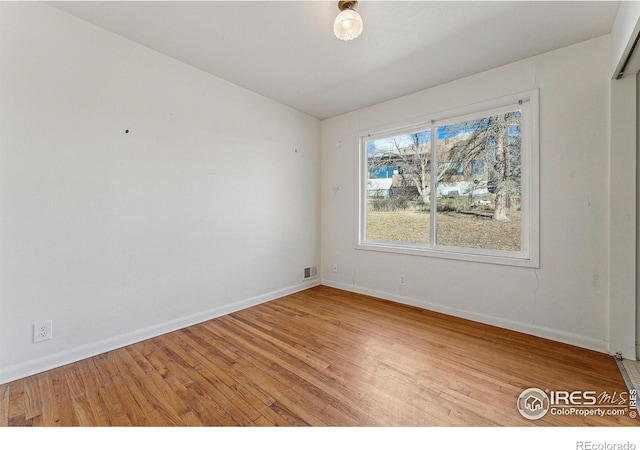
[321, 357]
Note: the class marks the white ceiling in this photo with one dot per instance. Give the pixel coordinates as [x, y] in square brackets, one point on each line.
[286, 50]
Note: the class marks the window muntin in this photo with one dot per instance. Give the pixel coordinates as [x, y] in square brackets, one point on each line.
[481, 186]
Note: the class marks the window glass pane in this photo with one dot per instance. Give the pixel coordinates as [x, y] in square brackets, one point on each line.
[479, 183]
[398, 188]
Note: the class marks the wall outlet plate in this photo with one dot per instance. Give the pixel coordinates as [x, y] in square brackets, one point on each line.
[42, 331]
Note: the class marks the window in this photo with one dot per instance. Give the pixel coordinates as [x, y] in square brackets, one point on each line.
[463, 187]
[477, 167]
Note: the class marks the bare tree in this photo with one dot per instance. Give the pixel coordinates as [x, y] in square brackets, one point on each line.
[410, 155]
[496, 141]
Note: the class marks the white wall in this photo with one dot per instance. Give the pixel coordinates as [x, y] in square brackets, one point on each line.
[567, 297]
[209, 204]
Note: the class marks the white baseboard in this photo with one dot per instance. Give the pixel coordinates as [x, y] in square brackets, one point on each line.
[29, 368]
[534, 330]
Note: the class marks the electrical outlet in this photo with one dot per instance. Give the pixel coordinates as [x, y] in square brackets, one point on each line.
[335, 268]
[403, 280]
[42, 331]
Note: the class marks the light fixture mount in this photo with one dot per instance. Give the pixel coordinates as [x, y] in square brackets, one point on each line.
[348, 25]
[342, 5]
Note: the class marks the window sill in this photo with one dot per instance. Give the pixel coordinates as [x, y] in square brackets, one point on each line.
[517, 259]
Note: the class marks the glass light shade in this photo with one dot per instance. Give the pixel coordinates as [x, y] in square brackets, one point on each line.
[348, 25]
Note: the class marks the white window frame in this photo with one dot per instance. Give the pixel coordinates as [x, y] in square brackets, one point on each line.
[529, 254]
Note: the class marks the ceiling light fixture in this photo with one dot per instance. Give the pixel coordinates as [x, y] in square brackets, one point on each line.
[348, 25]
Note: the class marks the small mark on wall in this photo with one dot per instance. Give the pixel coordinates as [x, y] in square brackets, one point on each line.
[126, 131]
[336, 189]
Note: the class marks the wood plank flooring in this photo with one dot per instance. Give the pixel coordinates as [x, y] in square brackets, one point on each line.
[321, 357]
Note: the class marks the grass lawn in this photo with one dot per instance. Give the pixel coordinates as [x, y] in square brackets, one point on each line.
[455, 229]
